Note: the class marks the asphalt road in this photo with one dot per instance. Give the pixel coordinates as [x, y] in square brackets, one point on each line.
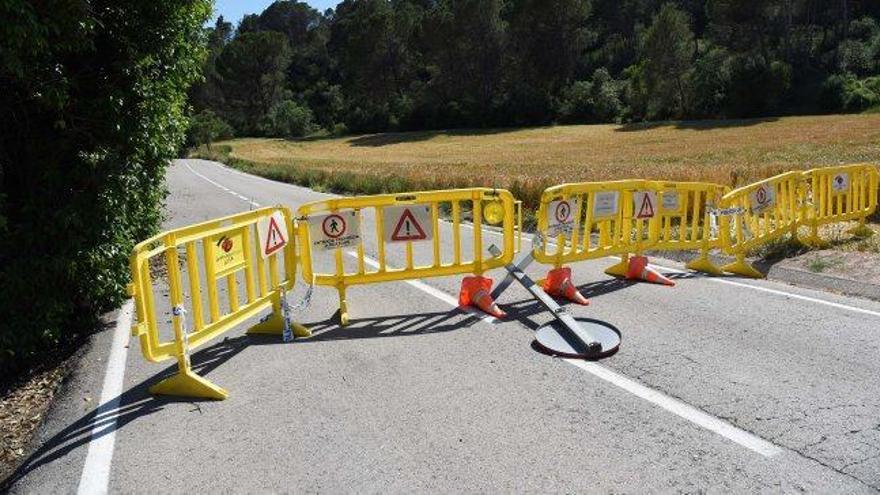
[719, 385]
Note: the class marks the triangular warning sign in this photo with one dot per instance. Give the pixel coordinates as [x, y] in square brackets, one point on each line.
[274, 238]
[646, 210]
[408, 228]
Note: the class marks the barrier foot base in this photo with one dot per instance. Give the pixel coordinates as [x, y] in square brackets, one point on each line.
[704, 265]
[189, 384]
[743, 269]
[861, 231]
[816, 242]
[275, 326]
[618, 269]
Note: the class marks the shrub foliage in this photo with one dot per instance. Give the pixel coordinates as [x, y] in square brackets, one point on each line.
[93, 103]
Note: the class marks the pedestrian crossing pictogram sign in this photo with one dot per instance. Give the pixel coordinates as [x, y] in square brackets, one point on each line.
[410, 223]
[335, 230]
[273, 234]
[644, 204]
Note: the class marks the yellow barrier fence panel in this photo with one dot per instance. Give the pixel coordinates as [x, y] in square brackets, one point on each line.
[839, 194]
[760, 213]
[204, 267]
[334, 242]
[592, 220]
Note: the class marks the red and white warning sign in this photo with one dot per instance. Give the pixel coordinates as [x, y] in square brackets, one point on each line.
[335, 230]
[644, 204]
[763, 197]
[840, 183]
[560, 216]
[409, 223]
[273, 234]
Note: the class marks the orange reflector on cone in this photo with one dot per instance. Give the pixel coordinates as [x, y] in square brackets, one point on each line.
[475, 292]
[639, 270]
[558, 283]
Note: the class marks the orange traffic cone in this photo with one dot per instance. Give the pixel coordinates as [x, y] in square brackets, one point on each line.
[638, 270]
[558, 283]
[475, 292]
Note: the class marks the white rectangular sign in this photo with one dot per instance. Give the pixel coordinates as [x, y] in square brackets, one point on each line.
[335, 230]
[272, 231]
[605, 204]
[671, 201]
[409, 223]
[560, 216]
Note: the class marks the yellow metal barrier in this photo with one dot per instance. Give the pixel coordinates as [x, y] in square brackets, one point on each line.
[230, 250]
[767, 210]
[402, 221]
[839, 194]
[596, 219]
[761, 212]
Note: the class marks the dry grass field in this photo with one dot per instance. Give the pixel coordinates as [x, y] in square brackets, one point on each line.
[732, 152]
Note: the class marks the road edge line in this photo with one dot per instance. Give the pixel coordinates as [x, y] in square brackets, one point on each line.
[95, 477]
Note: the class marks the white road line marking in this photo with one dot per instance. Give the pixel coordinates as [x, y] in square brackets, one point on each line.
[656, 397]
[221, 186]
[96, 471]
[680, 409]
[439, 294]
[768, 290]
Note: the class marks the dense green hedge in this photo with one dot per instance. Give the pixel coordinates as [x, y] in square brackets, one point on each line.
[93, 101]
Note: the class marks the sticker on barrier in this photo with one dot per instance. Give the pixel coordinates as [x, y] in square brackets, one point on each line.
[644, 204]
[762, 198]
[671, 202]
[408, 223]
[335, 230]
[228, 252]
[560, 217]
[273, 234]
[605, 204]
[840, 183]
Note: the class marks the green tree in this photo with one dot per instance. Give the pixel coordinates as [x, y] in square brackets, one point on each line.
[667, 56]
[288, 119]
[94, 97]
[252, 69]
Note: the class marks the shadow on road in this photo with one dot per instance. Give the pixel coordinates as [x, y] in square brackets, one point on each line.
[137, 402]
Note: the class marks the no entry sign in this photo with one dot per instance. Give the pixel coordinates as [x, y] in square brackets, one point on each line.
[762, 198]
[560, 216]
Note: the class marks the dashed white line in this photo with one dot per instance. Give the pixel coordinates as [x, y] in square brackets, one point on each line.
[96, 471]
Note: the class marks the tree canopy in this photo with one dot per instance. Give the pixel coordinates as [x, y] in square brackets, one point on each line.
[376, 65]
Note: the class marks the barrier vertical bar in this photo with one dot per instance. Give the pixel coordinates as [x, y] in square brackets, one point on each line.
[456, 231]
[478, 233]
[380, 238]
[248, 267]
[194, 285]
[435, 222]
[211, 279]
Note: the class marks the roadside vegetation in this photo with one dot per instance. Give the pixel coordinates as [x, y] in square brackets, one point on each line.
[372, 66]
[527, 160]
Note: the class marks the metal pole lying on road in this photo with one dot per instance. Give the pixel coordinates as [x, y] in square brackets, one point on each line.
[567, 336]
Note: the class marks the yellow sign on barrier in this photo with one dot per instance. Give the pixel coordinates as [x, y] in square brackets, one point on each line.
[596, 219]
[227, 249]
[403, 222]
